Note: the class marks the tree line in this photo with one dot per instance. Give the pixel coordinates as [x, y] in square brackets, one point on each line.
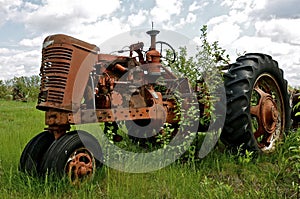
[20, 88]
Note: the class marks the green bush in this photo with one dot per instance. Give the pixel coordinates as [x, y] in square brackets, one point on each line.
[4, 91]
[297, 106]
[20, 88]
[204, 72]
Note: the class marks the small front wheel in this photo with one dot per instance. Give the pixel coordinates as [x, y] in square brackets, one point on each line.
[34, 151]
[76, 154]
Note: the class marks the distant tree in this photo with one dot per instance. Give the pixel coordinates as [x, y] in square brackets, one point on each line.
[4, 92]
[20, 88]
[33, 83]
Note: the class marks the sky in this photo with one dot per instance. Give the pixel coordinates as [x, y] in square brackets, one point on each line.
[263, 26]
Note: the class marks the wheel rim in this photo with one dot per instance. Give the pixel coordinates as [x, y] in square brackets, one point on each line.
[80, 166]
[267, 112]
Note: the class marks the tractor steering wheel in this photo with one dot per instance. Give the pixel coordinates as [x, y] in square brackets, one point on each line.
[171, 58]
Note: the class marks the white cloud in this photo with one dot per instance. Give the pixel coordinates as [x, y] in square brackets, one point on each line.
[7, 9]
[242, 30]
[138, 19]
[194, 6]
[260, 45]
[4, 51]
[279, 9]
[35, 42]
[165, 9]
[30, 6]
[280, 30]
[240, 12]
[19, 63]
[88, 21]
[197, 5]
[225, 33]
[191, 18]
[245, 5]
[63, 14]
[217, 20]
[100, 31]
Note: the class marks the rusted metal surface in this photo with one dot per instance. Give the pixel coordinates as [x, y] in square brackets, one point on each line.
[64, 60]
[120, 114]
[267, 116]
[80, 166]
[81, 85]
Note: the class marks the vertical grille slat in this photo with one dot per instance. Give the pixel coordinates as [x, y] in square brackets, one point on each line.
[55, 68]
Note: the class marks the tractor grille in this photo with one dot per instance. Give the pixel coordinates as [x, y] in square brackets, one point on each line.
[55, 68]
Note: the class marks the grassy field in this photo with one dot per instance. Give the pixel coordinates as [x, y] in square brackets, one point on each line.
[219, 175]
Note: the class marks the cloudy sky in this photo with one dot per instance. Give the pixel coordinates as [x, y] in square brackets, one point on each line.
[267, 26]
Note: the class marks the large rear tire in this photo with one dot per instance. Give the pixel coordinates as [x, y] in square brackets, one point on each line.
[258, 107]
[77, 154]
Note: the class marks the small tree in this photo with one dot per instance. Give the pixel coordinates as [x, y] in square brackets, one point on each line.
[20, 88]
[204, 72]
[297, 107]
[4, 91]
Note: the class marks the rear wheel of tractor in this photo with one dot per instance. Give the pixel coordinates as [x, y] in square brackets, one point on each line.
[258, 108]
[77, 154]
[34, 151]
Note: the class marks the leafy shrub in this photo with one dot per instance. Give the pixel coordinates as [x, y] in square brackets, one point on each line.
[296, 107]
[204, 72]
[20, 88]
[4, 91]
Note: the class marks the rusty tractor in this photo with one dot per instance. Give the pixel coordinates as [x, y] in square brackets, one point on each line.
[80, 85]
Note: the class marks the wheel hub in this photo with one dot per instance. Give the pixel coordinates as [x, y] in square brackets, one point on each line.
[80, 166]
[267, 116]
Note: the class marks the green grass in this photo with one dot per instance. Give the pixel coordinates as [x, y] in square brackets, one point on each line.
[219, 175]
